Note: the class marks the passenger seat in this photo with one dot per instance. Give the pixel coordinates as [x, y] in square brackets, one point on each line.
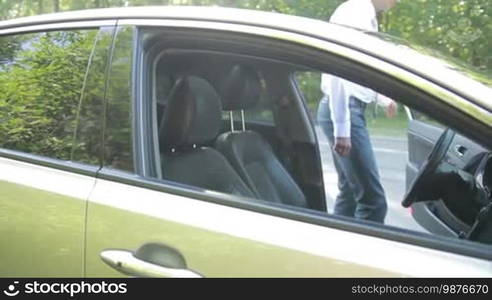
[249, 153]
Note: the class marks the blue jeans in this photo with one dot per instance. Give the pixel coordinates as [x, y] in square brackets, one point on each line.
[361, 193]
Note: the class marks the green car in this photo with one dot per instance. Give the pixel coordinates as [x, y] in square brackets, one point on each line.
[182, 142]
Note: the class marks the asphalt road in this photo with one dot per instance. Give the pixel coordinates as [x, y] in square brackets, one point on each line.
[391, 156]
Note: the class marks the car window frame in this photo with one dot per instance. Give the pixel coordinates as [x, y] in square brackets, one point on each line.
[404, 84]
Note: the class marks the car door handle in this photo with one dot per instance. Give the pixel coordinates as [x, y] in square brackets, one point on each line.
[460, 150]
[150, 260]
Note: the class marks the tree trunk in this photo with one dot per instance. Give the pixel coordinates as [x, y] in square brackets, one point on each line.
[56, 5]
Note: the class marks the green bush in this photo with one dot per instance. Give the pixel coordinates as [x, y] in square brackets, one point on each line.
[41, 82]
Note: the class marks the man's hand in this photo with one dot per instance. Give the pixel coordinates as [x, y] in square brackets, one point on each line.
[342, 146]
[389, 104]
[391, 109]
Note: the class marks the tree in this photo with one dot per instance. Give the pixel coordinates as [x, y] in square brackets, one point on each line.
[460, 29]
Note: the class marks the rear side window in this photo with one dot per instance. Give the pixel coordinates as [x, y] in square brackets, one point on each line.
[41, 80]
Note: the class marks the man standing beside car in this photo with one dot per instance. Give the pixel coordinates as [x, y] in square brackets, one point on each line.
[341, 116]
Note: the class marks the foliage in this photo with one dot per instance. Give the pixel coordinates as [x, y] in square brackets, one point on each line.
[40, 90]
[461, 28]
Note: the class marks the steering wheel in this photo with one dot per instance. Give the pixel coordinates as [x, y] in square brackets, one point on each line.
[429, 166]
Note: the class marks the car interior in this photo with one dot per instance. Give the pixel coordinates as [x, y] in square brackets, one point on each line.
[449, 183]
[217, 111]
[237, 124]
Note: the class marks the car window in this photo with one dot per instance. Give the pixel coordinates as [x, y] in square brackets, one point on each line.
[425, 119]
[119, 130]
[387, 156]
[387, 141]
[195, 91]
[42, 77]
[89, 119]
[308, 83]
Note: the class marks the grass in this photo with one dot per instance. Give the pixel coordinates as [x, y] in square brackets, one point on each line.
[380, 125]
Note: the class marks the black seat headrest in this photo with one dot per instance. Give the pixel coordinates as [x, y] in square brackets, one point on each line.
[240, 88]
[192, 115]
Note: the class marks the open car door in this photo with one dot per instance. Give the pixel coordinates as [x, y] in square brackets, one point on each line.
[463, 154]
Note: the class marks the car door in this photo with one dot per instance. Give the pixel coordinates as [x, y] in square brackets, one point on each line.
[49, 148]
[141, 225]
[423, 133]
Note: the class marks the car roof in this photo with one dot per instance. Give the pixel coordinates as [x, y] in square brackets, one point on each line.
[459, 79]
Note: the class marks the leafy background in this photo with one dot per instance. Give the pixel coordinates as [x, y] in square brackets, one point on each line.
[430, 23]
[41, 77]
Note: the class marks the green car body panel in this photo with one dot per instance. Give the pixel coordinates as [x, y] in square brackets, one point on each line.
[42, 227]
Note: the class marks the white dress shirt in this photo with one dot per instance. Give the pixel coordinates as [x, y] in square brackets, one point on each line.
[360, 14]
